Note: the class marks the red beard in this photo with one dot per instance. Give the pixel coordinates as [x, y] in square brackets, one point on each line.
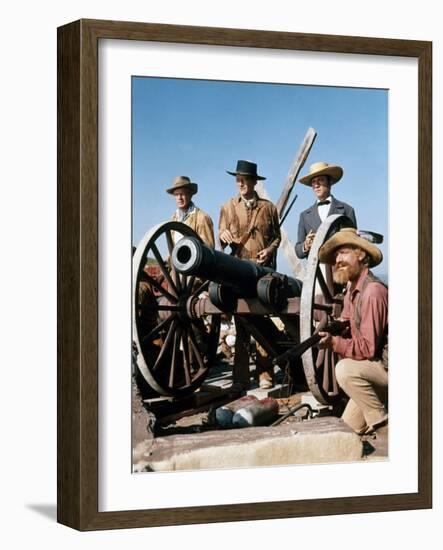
[346, 272]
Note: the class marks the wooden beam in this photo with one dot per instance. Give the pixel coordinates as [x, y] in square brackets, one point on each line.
[297, 165]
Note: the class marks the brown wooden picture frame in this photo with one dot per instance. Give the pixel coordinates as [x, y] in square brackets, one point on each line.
[78, 464]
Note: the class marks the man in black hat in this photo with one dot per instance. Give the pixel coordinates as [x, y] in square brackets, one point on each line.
[250, 225]
[320, 178]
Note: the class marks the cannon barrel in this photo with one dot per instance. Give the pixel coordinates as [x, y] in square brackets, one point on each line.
[190, 256]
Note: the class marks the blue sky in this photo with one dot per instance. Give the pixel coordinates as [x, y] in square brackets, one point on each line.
[201, 128]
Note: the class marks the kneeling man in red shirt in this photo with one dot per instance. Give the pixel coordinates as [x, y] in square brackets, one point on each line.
[363, 370]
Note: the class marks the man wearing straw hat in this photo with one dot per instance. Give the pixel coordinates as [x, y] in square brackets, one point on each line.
[250, 225]
[321, 177]
[183, 190]
[363, 370]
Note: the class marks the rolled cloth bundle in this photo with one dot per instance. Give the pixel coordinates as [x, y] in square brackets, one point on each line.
[225, 413]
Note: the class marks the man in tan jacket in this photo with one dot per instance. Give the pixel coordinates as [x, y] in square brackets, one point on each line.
[250, 225]
[183, 190]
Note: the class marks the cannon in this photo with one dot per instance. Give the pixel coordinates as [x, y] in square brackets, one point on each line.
[176, 316]
[231, 278]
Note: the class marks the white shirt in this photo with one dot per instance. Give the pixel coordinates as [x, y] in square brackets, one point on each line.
[323, 209]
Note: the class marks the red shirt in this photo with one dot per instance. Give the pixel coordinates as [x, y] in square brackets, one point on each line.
[366, 342]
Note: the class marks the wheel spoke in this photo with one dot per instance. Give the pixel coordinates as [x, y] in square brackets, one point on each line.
[154, 332]
[323, 285]
[159, 287]
[191, 355]
[166, 344]
[202, 288]
[320, 359]
[186, 360]
[183, 281]
[329, 278]
[164, 269]
[190, 284]
[166, 307]
[334, 378]
[323, 307]
[169, 241]
[161, 307]
[175, 353]
[175, 275]
[326, 371]
[194, 347]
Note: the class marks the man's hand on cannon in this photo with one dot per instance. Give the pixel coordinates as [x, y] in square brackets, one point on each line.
[227, 237]
[326, 337]
[341, 327]
[264, 256]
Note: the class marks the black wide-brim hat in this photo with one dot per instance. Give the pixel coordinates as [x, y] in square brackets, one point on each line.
[246, 168]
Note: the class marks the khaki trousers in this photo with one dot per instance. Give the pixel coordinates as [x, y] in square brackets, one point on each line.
[366, 384]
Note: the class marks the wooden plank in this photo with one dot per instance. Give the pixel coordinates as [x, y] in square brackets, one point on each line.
[296, 166]
[200, 406]
[167, 408]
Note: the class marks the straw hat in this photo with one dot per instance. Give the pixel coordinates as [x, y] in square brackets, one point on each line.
[323, 169]
[351, 237]
[182, 181]
[246, 168]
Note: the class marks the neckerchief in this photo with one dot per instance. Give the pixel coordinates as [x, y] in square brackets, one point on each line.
[182, 215]
[250, 203]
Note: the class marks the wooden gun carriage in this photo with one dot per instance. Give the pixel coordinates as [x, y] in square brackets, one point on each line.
[176, 334]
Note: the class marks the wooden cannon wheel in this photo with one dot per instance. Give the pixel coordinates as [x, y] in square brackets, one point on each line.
[172, 352]
[320, 304]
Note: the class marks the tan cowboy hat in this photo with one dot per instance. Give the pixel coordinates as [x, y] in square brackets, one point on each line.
[348, 236]
[322, 169]
[182, 181]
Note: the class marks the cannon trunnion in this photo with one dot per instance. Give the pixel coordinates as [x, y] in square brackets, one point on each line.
[176, 322]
